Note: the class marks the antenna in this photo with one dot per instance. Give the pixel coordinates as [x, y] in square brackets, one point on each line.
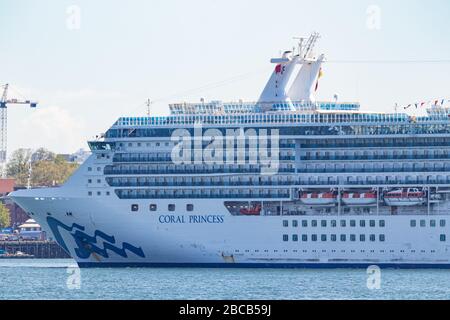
[148, 104]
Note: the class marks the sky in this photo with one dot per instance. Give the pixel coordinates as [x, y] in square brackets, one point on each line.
[90, 62]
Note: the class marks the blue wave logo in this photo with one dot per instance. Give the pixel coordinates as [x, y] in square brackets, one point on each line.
[87, 244]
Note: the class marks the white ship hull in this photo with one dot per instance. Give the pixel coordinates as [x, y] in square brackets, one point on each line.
[122, 238]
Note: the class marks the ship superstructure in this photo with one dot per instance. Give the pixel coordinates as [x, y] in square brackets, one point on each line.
[283, 181]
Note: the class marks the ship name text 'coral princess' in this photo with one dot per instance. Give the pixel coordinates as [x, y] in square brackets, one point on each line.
[286, 181]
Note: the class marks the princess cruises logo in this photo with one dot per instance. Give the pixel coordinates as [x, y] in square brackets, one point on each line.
[256, 149]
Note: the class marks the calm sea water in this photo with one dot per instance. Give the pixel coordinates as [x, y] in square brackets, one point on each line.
[48, 279]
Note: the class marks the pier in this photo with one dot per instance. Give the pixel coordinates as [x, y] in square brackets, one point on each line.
[39, 249]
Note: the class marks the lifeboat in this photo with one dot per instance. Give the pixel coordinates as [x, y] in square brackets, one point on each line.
[404, 197]
[362, 199]
[252, 211]
[315, 199]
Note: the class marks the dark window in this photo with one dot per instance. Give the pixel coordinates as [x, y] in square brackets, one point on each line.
[99, 193]
[295, 223]
[412, 223]
[362, 237]
[333, 238]
[285, 237]
[134, 207]
[314, 223]
[323, 237]
[352, 237]
[89, 180]
[343, 223]
[343, 237]
[372, 237]
[90, 193]
[372, 223]
[304, 223]
[295, 237]
[422, 223]
[333, 223]
[323, 223]
[285, 223]
[189, 207]
[304, 237]
[382, 223]
[433, 223]
[352, 223]
[382, 238]
[153, 207]
[362, 223]
[99, 181]
[89, 168]
[107, 193]
[171, 207]
[314, 237]
[442, 223]
[442, 237]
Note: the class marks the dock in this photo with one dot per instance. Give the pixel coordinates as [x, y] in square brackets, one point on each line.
[38, 249]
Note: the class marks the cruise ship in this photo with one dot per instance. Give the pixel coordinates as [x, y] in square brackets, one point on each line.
[286, 181]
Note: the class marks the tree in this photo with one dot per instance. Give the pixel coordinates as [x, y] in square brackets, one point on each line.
[18, 166]
[47, 169]
[5, 219]
[51, 172]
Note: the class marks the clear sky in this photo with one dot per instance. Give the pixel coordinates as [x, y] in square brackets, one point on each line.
[87, 72]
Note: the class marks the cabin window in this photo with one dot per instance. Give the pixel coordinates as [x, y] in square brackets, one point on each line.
[134, 207]
[304, 223]
[343, 223]
[89, 168]
[323, 223]
[285, 237]
[352, 223]
[171, 207]
[304, 237]
[382, 238]
[372, 223]
[352, 238]
[90, 193]
[323, 237]
[362, 237]
[422, 223]
[333, 223]
[189, 207]
[295, 223]
[412, 223]
[382, 223]
[153, 207]
[372, 237]
[89, 180]
[442, 237]
[285, 223]
[362, 223]
[433, 223]
[343, 237]
[442, 223]
[314, 237]
[294, 237]
[313, 223]
[333, 238]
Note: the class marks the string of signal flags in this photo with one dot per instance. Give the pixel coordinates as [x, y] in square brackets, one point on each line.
[432, 103]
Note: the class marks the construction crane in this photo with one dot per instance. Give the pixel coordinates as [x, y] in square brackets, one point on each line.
[4, 102]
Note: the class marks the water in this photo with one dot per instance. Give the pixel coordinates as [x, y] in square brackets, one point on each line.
[47, 279]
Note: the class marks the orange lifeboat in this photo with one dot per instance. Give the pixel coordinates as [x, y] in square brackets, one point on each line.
[404, 197]
[362, 199]
[252, 211]
[324, 198]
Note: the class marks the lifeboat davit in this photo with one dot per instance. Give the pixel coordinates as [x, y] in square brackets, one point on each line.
[316, 199]
[362, 199]
[252, 211]
[405, 197]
